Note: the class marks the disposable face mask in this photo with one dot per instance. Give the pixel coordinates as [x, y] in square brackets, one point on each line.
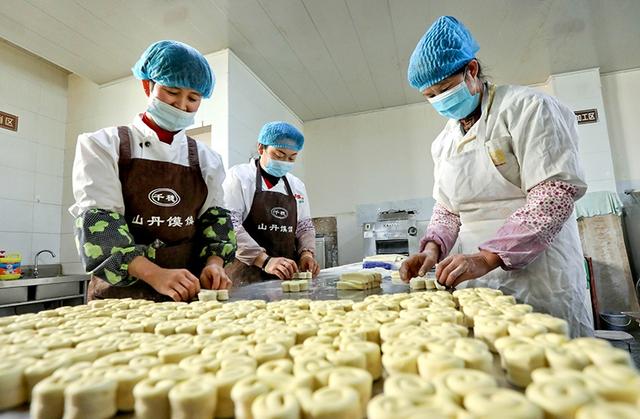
[456, 103]
[168, 117]
[278, 168]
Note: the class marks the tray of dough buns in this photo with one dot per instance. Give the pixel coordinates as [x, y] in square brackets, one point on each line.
[473, 353]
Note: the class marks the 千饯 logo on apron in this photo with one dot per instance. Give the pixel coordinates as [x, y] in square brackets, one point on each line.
[280, 213]
[164, 197]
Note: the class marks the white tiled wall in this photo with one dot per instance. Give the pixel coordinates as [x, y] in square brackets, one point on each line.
[31, 171]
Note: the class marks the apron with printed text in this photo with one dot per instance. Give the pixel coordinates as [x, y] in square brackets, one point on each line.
[162, 201]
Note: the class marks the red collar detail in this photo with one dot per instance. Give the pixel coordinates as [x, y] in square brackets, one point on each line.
[163, 135]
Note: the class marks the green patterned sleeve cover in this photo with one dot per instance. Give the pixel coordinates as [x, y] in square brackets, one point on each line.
[216, 235]
[106, 246]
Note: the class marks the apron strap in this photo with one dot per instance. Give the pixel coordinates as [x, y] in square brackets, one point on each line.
[124, 134]
[194, 160]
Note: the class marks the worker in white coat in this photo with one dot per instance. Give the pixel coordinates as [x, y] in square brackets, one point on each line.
[270, 210]
[507, 173]
[149, 208]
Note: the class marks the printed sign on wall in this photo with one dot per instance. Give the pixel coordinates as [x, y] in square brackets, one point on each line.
[8, 121]
[587, 116]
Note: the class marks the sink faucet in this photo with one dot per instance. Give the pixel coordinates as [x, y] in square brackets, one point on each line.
[35, 268]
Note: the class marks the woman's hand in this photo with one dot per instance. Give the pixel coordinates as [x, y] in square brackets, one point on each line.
[213, 277]
[283, 268]
[459, 268]
[179, 284]
[420, 263]
[308, 263]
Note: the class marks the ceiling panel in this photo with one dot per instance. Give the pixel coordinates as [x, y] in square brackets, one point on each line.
[329, 57]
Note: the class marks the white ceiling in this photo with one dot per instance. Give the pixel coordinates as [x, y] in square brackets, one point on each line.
[329, 57]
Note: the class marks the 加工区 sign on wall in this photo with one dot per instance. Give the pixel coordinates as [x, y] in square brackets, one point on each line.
[8, 121]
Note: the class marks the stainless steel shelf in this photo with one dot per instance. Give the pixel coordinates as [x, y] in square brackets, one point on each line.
[46, 300]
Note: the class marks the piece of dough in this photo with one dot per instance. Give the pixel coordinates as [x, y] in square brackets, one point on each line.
[615, 383]
[560, 399]
[195, 398]
[608, 411]
[294, 286]
[399, 361]
[431, 364]
[409, 386]
[42, 369]
[151, 397]
[126, 377]
[489, 330]
[170, 372]
[521, 361]
[602, 356]
[373, 357]
[563, 357]
[175, 353]
[225, 380]
[347, 358]
[501, 403]
[526, 329]
[223, 295]
[329, 402]
[430, 283]
[417, 283]
[145, 361]
[542, 375]
[12, 386]
[384, 406]
[475, 357]
[276, 404]
[358, 379]
[47, 397]
[90, 397]
[264, 352]
[286, 286]
[455, 384]
[243, 394]
[310, 369]
[279, 366]
[207, 295]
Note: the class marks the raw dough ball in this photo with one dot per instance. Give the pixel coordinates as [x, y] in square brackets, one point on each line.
[276, 404]
[501, 403]
[194, 399]
[152, 398]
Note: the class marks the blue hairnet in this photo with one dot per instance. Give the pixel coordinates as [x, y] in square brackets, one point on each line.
[281, 135]
[174, 64]
[444, 49]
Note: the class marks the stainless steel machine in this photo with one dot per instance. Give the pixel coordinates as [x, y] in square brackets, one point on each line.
[395, 231]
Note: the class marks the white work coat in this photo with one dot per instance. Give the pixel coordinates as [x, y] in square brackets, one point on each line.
[522, 138]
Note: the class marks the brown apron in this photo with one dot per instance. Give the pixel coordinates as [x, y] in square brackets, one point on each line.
[272, 223]
[162, 201]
